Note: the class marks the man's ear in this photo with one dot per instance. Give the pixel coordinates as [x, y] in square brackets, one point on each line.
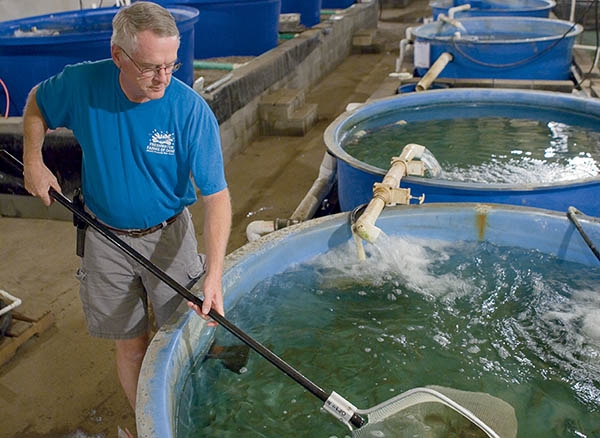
[116, 54]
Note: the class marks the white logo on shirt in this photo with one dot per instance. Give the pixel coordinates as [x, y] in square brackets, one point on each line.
[162, 143]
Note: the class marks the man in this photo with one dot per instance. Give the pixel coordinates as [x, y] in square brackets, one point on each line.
[142, 134]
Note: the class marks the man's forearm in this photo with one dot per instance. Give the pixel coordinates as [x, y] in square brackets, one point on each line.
[34, 131]
[217, 226]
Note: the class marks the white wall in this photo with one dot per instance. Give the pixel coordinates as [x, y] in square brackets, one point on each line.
[14, 9]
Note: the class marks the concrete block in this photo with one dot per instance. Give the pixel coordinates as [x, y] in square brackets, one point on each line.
[298, 125]
[281, 104]
[364, 37]
[289, 23]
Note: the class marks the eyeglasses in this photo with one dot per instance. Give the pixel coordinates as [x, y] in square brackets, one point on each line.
[150, 72]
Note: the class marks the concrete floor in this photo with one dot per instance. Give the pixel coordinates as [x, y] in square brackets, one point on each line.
[63, 383]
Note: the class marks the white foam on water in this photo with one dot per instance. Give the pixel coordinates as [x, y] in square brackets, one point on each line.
[401, 260]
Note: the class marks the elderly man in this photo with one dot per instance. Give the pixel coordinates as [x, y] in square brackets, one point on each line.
[142, 134]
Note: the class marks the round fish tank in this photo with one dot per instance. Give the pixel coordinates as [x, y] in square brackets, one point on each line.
[498, 47]
[528, 148]
[233, 27]
[309, 10]
[337, 4]
[482, 8]
[490, 297]
[35, 48]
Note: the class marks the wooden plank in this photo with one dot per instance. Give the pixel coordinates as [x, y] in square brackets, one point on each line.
[25, 330]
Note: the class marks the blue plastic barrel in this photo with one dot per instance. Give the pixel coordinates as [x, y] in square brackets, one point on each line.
[498, 47]
[309, 10]
[484, 8]
[355, 178]
[35, 48]
[233, 27]
[185, 339]
[337, 4]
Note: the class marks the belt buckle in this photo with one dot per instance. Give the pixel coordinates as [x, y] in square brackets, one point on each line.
[137, 233]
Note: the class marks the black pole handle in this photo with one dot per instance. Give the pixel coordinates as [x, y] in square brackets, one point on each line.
[571, 212]
[181, 290]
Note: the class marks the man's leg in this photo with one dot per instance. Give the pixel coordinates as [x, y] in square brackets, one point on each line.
[130, 354]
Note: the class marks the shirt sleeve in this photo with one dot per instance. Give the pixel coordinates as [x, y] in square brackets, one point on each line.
[54, 98]
[206, 156]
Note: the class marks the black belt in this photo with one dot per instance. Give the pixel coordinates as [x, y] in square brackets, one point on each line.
[144, 231]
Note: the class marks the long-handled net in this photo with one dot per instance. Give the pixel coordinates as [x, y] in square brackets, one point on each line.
[492, 416]
[485, 415]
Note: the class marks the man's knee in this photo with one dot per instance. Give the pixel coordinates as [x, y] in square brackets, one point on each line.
[132, 350]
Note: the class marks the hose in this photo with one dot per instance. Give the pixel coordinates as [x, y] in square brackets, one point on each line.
[572, 211]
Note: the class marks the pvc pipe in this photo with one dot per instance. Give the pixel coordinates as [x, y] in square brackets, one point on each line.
[456, 9]
[256, 229]
[321, 186]
[584, 47]
[15, 302]
[209, 65]
[572, 14]
[434, 71]
[307, 207]
[218, 83]
[403, 43]
[452, 21]
[383, 193]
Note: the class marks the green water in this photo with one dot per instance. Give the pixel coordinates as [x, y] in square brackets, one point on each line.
[516, 324]
[487, 149]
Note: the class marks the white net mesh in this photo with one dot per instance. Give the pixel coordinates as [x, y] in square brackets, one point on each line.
[440, 412]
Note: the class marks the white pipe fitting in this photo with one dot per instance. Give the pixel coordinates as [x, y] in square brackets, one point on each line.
[15, 302]
[456, 9]
[256, 229]
[383, 193]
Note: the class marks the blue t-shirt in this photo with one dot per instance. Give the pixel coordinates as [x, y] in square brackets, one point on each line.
[137, 157]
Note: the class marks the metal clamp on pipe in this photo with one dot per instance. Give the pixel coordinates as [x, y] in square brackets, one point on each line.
[388, 192]
[434, 71]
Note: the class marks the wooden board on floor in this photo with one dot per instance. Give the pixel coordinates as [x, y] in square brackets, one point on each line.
[22, 328]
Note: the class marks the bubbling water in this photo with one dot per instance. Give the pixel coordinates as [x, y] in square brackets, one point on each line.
[487, 149]
[517, 324]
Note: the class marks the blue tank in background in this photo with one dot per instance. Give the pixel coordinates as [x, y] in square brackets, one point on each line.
[309, 10]
[355, 178]
[337, 4]
[35, 48]
[498, 47]
[484, 8]
[232, 27]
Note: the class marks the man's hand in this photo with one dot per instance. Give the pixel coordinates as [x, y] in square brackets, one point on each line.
[213, 299]
[39, 179]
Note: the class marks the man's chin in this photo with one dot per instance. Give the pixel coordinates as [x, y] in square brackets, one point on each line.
[152, 93]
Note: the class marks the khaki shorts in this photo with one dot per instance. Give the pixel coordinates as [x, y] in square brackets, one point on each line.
[115, 288]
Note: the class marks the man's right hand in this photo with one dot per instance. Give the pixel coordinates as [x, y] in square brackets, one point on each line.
[39, 179]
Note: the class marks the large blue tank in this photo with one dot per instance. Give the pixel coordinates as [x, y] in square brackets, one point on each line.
[33, 49]
[484, 8]
[337, 4]
[498, 47]
[356, 178]
[233, 27]
[309, 10]
[179, 344]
